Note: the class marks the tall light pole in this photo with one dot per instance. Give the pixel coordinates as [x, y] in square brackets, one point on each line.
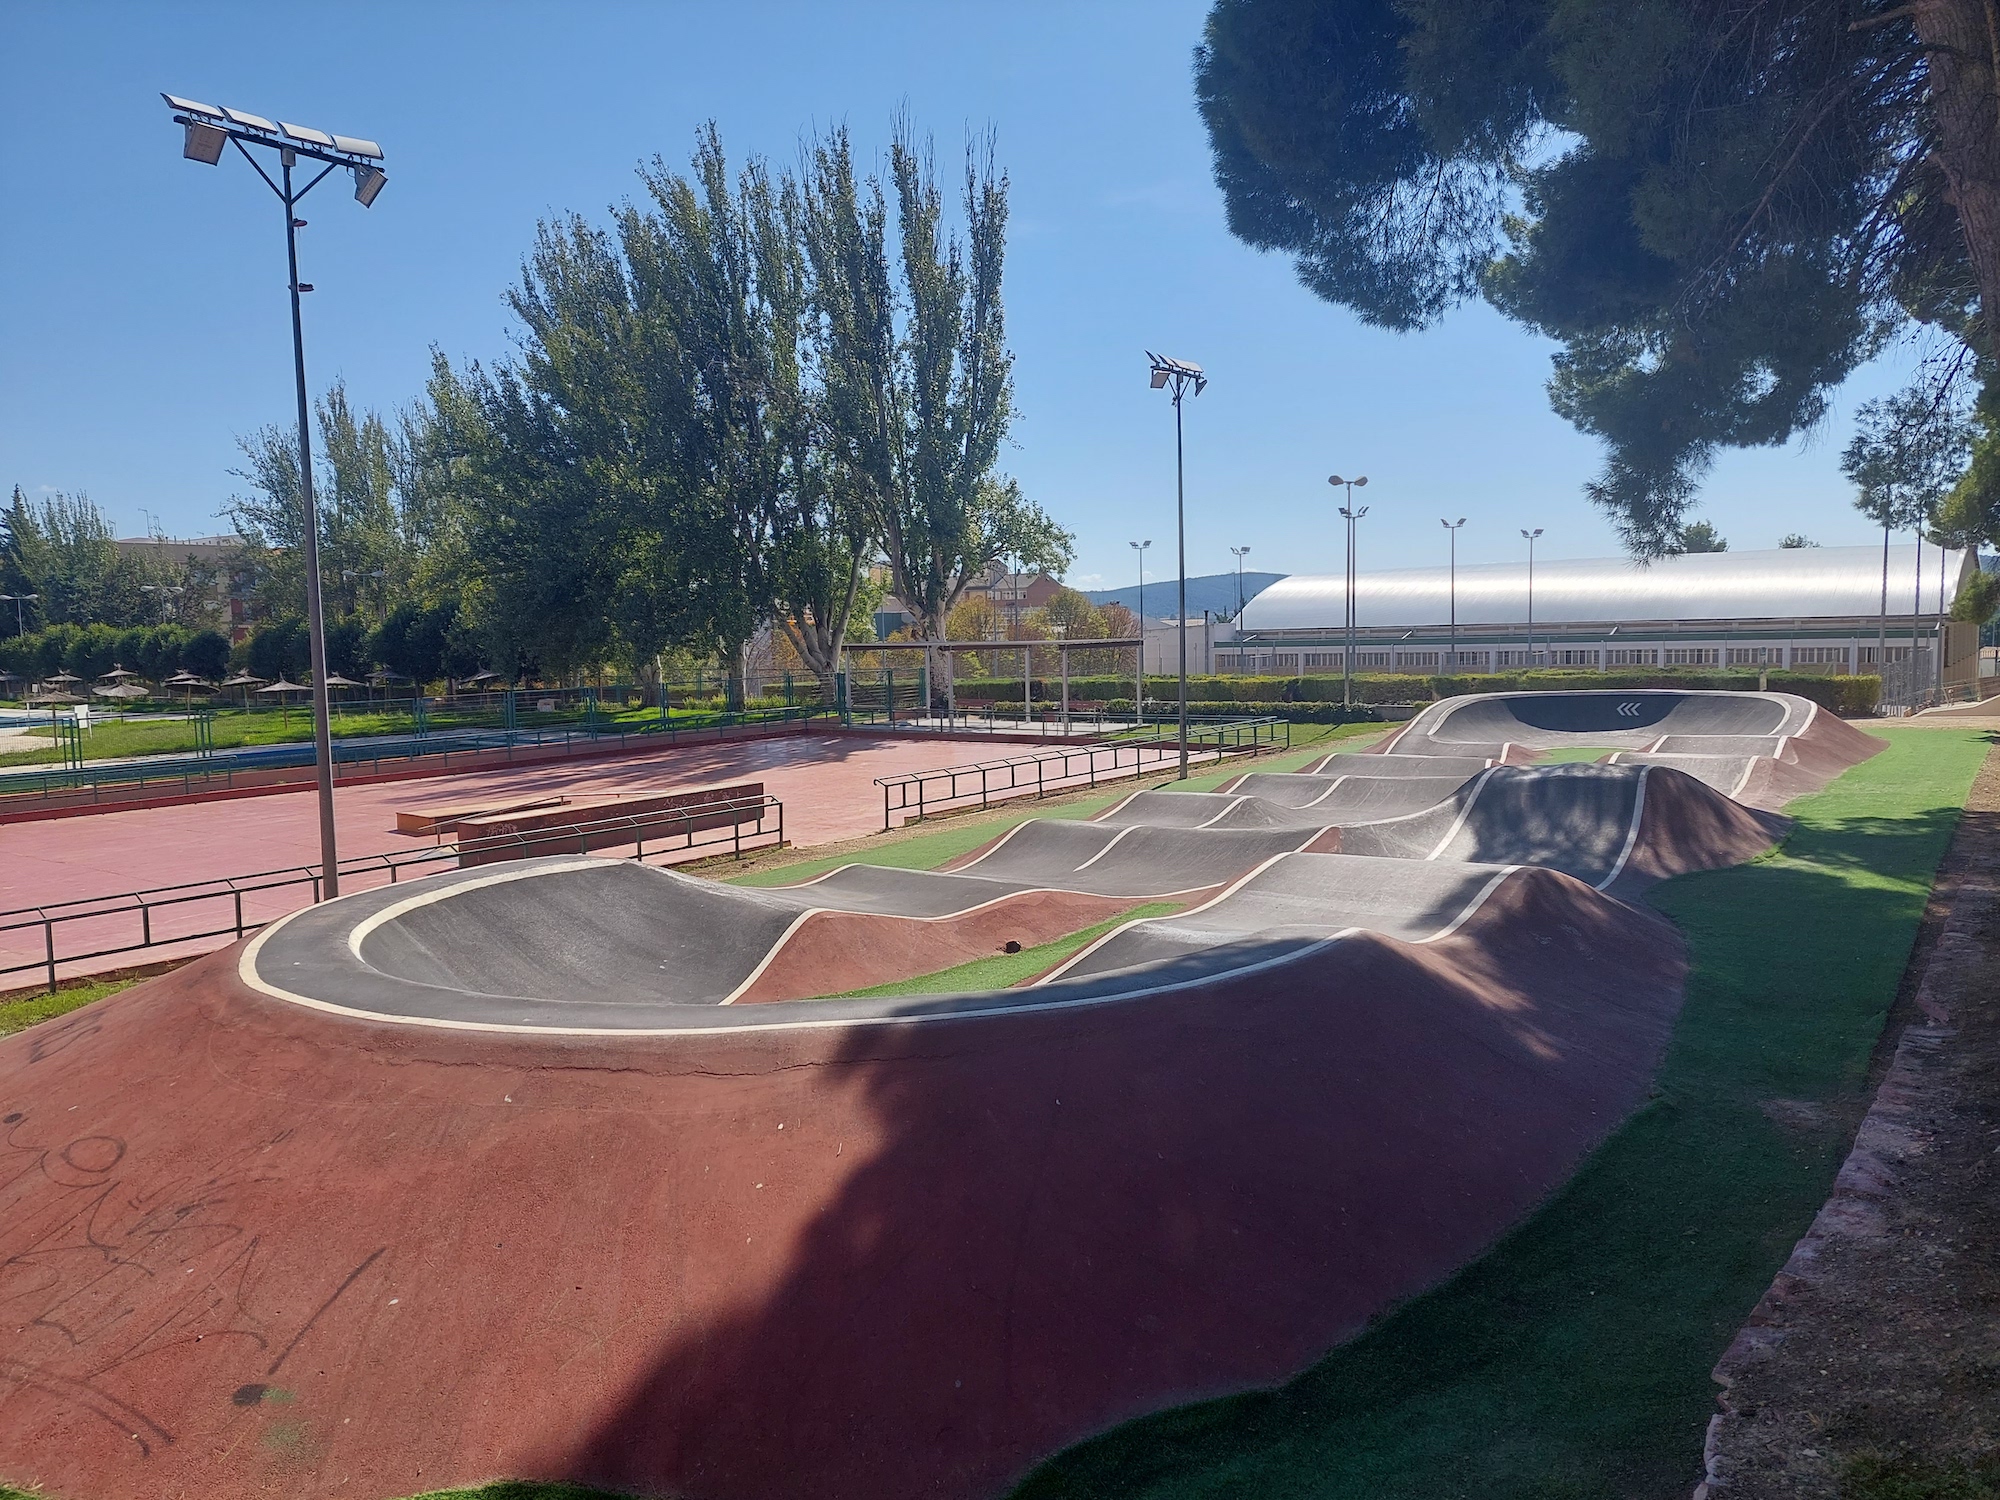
[1451, 527]
[1177, 375]
[1139, 681]
[1241, 553]
[208, 132]
[1531, 535]
[18, 600]
[1351, 515]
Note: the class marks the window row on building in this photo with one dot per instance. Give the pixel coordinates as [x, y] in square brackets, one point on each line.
[1847, 657]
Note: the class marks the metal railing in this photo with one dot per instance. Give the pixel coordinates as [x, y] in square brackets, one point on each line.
[226, 768]
[667, 832]
[1071, 768]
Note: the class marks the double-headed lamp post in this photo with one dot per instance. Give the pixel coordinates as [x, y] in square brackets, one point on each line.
[20, 616]
[1531, 535]
[1178, 376]
[210, 132]
[1451, 659]
[1350, 515]
[1241, 553]
[1139, 678]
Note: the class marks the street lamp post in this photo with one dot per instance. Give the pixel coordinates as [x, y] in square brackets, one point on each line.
[1177, 375]
[1350, 515]
[166, 591]
[1241, 553]
[1531, 535]
[20, 617]
[1451, 527]
[208, 132]
[1139, 680]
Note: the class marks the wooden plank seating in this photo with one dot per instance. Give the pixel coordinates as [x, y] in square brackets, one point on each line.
[574, 827]
[443, 820]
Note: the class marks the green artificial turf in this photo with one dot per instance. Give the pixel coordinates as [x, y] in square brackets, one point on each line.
[1003, 969]
[22, 1011]
[1577, 752]
[1574, 1359]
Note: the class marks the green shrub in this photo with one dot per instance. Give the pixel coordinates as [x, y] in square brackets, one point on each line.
[1851, 696]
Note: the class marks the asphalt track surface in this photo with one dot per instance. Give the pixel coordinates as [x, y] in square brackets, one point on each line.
[567, 1170]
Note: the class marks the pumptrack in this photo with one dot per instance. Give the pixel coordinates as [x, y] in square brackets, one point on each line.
[577, 1169]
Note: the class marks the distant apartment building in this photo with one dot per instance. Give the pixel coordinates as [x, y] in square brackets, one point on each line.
[218, 558]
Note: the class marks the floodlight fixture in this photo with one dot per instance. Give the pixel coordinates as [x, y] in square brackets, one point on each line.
[209, 130]
[1179, 371]
[204, 143]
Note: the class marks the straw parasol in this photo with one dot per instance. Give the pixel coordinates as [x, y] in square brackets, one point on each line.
[62, 677]
[336, 680]
[281, 687]
[116, 674]
[120, 690]
[245, 681]
[58, 696]
[188, 680]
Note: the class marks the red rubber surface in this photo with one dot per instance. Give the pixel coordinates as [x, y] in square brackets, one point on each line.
[247, 1249]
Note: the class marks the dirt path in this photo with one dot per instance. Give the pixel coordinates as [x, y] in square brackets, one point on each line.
[1872, 1366]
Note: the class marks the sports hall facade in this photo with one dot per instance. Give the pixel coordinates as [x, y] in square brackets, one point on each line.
[1810, 609]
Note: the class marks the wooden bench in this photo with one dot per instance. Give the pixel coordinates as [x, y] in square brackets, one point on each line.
[608, 822]
[443, 820]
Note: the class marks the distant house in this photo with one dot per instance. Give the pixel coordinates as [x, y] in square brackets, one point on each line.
[219, 557]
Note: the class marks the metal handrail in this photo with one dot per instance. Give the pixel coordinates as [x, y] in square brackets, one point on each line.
[1218, 738]
[656, 826]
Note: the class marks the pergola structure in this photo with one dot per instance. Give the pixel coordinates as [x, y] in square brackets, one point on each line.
[1061, 644]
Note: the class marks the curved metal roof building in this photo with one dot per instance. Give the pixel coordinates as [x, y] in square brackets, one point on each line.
[1806, 583]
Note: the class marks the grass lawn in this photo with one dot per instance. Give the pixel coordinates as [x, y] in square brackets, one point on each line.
[1578, 752]
[23, 1011]
[1573, 1360]
[1004, 969]
[145, 736]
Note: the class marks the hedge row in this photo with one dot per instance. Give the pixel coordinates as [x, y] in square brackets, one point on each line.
[1852, 696]
[1158, 710]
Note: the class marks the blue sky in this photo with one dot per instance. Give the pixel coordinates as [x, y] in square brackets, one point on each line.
[143, 319]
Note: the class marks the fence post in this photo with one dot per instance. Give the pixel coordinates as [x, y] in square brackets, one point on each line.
[49, 947]
[842, 701]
